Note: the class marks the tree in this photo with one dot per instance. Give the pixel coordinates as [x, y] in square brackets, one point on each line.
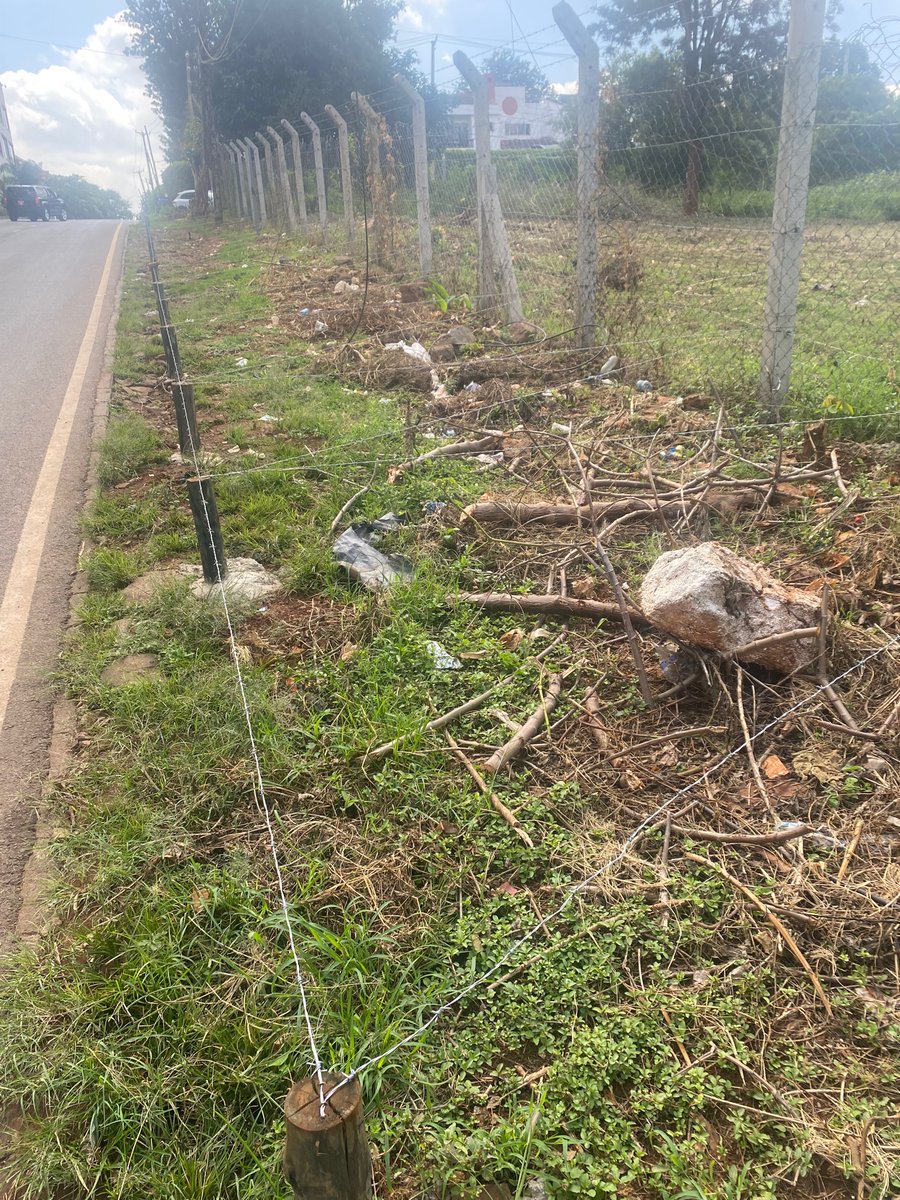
[712, 42]
[514, 71]
[83, 200]
[263, 59]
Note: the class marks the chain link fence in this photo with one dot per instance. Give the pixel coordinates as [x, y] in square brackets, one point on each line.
[685, 217]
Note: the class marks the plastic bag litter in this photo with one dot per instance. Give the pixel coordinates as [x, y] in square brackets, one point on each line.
[356, 551]
[413, 349]
[442, 660]
[643, 385]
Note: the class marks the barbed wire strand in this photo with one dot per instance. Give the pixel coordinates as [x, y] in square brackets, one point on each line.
[607, 866]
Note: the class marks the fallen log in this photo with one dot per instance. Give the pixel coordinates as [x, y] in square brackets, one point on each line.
[493, 441]
[498, 512]
[550, 606]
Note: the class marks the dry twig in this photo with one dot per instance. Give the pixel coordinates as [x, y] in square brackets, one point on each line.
[530, 728]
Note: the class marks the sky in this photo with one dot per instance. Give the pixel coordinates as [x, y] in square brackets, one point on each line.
[76, 100]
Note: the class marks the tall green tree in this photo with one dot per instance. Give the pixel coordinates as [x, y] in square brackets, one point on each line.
[512, 69]
[711, 42]
[262, 59]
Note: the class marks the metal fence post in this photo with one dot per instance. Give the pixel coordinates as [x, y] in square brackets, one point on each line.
[300, 186]
[320, 173]
[346, 178]
[420, 150]
[283, 180]
[798, 115]
[587, 188]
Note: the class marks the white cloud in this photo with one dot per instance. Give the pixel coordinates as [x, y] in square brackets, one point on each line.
[80, 116]
[569, 88]
[410, 18]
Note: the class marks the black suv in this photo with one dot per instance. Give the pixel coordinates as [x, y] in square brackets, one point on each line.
[34, 202]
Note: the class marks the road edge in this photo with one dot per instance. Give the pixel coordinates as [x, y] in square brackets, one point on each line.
[37, 873]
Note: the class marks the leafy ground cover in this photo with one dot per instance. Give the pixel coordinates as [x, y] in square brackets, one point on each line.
[659, 1037]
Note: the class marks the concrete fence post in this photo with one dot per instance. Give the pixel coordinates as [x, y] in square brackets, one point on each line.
[420, 152]
[284, 183]
[238, 182]
[798, 116]
[253, 189]
[346, 177]
[588, 184]
[320, 173]
[382, 226]
[494, 254]
[299, 185]
[271, 190]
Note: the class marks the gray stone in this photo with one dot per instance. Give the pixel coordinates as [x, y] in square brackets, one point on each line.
[245, 579]
[131, 669]
[709, 596]
[145, 587]
[521, 332]
[460, 335]
[443, 350]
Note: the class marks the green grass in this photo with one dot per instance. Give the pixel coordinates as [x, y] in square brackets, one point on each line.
[130, 444]
[150, 1037]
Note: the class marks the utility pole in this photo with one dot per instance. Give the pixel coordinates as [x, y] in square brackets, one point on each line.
[434, 42]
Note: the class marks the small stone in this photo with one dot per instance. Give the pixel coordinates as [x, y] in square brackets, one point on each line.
[521, 332]
[131, 669]
[460, 335]
[245, 579]
[443, 350]
[411, 293]
[708, 596]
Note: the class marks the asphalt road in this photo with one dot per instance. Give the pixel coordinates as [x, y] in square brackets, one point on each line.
[57, 283]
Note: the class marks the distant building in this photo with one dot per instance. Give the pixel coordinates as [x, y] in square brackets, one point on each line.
[515, 121]
[7, 154]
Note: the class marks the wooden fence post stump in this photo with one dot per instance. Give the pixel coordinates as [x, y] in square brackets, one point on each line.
[327, 1158]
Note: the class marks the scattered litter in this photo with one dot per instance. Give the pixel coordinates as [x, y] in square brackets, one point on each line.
[244, 266]
[241, 362]
[268, 417]
[610, 365]
[385, 400]
[177, 458]
[672, 453]
[441, 659]
[643, 385]
[320, 327]
[490, 460]
[413, 349]
[472, 387]
[355, 550]
[432, 507]
[559, 427]
[774, 768]
[304, 312]
[344, 286]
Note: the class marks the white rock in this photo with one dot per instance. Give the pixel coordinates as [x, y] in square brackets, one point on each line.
[709, 596]
[245, 579]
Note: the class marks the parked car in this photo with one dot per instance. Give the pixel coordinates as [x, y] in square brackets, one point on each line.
[34, 202]
[183, 199]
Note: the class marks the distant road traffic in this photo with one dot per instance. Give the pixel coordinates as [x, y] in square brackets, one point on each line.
[57, 283]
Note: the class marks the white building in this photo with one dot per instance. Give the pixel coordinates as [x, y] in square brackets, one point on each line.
[7, 154]
[515, 121]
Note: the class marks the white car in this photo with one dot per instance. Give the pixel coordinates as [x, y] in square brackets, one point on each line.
[183, 199]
